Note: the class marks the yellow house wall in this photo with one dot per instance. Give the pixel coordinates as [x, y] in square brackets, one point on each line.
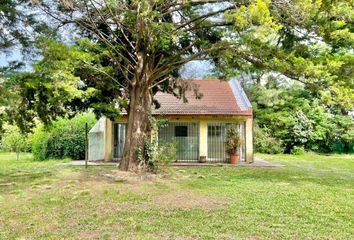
[249, 140]
[203, 132]
[203, 138]
[108, 140]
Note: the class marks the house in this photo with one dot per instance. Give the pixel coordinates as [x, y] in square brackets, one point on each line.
[198, 126]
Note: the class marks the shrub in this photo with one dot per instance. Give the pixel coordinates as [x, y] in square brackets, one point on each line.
[40, 143]
[337, 146]
[65, 138]
[343, 135]
[158, 156]
[302, 129]
[265, 143]
[162, 156]
[298, 150]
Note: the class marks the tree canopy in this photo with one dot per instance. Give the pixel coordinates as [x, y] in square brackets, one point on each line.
[20, 24]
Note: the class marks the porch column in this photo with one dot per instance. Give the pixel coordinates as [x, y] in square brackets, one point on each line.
[203, 139]
[108, 140]
[249, 140]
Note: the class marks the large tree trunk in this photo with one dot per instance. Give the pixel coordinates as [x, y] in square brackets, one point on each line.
[138, 128]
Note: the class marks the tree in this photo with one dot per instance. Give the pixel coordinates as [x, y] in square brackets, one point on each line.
[299, 40]
[20, 23]
[291, 116]
[15, 141]
[10, 18]
[129, 50]
[133, 50]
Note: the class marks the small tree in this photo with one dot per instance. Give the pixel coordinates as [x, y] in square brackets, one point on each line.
[15, 141]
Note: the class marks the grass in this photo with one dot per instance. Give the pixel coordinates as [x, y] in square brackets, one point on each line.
[311, 197]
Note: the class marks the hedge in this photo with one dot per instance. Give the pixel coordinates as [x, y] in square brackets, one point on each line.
[65, 138]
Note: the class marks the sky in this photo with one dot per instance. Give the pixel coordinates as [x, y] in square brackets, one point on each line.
[15, 54]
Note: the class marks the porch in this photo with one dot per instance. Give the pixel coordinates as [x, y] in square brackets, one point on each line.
[194, 137]
[258, 162]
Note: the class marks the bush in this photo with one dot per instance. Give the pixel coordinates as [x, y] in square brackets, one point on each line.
[40, 144]
[163, 156]
[302, 129]
[298, 150]
[158, 156]
[64, 139]
[343, 135]
[265, 143]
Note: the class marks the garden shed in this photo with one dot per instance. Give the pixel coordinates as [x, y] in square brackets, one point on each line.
[97, 140]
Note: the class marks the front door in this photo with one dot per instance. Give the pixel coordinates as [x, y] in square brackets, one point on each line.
[216, 142]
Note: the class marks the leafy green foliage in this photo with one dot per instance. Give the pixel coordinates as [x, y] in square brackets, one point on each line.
[127, 51]
[40, 144]
[301, 129]
[158, 155]
[19, 24]
[301, 40]
[291, 116]
[341, 136]
[13, 140]
[307, 41]
[51, 91]
[265, 142]
[233, 140]
[297, 150]
[65, 138]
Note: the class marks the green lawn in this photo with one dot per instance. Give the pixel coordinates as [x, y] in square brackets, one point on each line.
[311, 197]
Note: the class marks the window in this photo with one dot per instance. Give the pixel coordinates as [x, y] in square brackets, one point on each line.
[181, 131]
[214, 131]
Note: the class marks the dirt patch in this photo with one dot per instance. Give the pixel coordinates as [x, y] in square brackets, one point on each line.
[123, 176]
[180, 200]
[189, 200]
[168, 198]
[164, 198]
[89, 234]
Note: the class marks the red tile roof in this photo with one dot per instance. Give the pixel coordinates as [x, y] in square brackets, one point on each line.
[218, 99]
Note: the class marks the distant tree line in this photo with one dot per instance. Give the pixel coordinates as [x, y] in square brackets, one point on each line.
[290, 118]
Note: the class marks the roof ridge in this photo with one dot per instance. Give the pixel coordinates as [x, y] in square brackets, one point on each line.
[240, 94]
